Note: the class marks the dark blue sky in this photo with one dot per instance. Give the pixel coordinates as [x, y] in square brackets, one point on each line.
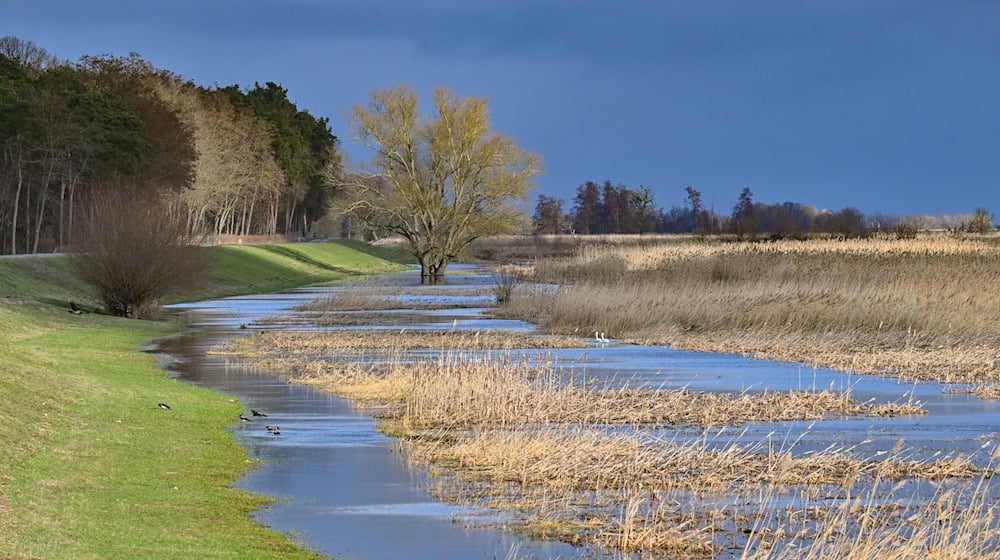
[888, 106]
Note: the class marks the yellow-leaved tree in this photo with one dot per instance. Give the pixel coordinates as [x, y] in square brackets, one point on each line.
[441, 182]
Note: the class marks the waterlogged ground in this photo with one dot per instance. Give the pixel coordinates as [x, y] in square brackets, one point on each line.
[346, 492]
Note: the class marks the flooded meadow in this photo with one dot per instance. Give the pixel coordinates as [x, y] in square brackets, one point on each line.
[411, 420]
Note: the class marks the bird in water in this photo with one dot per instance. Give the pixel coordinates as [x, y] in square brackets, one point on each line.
[274, 430]
[164, 406]
[243, 418]
[255, 413]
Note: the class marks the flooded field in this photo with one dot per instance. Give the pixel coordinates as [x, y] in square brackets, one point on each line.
[346, 489]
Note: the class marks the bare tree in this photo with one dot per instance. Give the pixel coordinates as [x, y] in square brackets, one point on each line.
[642, 203]
[448, 181]
[982, 221]
[26, 53]
[694, 199]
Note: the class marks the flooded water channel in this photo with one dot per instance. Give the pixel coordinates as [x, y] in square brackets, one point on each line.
[345, 491]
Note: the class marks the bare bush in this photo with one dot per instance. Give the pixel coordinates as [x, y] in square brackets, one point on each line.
[133, 251]
[503, 287]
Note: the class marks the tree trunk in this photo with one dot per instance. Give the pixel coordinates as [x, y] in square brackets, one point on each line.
[290, 217]
[43, 199]
[431, 269]
[17, 200]
[62, 212]
[27, 219]
[249, 221]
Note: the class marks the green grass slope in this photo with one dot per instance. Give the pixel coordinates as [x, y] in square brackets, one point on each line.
[90, 467]
[237, 269]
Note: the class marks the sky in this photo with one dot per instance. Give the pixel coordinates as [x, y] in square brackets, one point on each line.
[887, 106]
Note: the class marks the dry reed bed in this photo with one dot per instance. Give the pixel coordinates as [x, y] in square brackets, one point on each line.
[921, 309]
[299, 343]
[587, 459]
[459, 391]
[624, 495]
[955, 524]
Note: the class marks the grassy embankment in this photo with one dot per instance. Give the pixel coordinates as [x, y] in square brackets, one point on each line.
[91, 467]
[919, 309]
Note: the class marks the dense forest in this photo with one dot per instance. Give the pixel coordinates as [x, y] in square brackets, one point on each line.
[229, 160]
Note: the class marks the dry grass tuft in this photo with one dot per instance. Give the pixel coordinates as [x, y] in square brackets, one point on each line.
[956, 524]
[991, 391]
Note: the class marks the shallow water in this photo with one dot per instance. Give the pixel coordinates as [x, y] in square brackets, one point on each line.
[346, 492]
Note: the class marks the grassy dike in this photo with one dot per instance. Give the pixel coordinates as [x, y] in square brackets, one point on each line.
[90, 467]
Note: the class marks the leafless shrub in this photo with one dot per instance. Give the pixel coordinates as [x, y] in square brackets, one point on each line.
[133, 251]
[503, 287]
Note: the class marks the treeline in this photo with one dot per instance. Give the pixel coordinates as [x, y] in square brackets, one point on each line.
[227, 160]
[609, 208]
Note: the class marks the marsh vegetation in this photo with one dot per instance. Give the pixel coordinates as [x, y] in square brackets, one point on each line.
[506, 421]
[624, 468]
[917, 309]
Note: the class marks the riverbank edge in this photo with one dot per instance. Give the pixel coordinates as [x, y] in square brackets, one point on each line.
[95, 468]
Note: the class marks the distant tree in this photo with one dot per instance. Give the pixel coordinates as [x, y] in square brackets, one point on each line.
[694, 201]
[548, 217]
[642, 204]
[981, 222]
[169, 163]
[587, 209]
[788, 218]
[26, 53]
[17, 138]
[743, 222]
[304, 147]
[56, 132]
[614, 207]
[907, 227]
[237, 180]
[848, 222]
[450, 179]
